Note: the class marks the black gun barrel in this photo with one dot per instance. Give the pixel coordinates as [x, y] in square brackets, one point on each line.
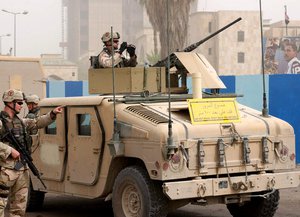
[195, 45]
[192, 47]
[25, 156]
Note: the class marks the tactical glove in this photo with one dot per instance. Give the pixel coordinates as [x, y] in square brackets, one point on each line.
[122, 47]
[131, 50]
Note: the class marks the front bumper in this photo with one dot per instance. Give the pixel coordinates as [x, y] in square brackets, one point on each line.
[201, 187]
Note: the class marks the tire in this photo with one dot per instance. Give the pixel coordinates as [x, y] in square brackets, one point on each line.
[35, 199]
[134, 194]
[257, 207]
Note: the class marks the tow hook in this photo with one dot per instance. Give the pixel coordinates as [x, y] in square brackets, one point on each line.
[201, 190]
[271, 184]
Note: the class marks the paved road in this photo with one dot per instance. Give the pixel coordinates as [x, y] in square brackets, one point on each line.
[63, 206]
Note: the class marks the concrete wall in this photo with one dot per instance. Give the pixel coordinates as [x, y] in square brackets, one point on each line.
[67, 88]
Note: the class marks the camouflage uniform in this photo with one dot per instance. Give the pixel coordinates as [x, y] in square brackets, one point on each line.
[14, 181]
[33, 113]
[105, 60]
[105, 57]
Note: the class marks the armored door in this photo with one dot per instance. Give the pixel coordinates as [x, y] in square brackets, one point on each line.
[84, 144]
[49, 151]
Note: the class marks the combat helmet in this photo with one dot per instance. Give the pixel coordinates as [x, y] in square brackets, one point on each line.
[107, 36]
[12, 95]
[32, 99]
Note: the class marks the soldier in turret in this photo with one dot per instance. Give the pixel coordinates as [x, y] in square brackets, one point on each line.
[14, 174]
[105, 57]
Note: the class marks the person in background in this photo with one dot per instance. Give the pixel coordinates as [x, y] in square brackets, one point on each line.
[32, 102]
[290, 55]
[105, 57]
[279, 57]
[14, 174]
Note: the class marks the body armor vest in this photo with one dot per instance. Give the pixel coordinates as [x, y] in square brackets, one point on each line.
[32, 115]
[15, 125]
[120, 64]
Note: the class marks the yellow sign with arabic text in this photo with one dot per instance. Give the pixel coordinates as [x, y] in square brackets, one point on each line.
[209, 111]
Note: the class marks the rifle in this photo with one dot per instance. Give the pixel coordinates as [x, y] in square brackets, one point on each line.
[25, 156]
[192, 47]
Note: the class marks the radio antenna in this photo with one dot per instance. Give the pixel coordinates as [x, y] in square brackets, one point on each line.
[170, 143]
[113, 77]
[265, 110]
[115, 145]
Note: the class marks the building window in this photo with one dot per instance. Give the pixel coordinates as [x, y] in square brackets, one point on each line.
[84, 124]
[241, 36]
[209, 27]
[241, 57]
[209, 51]
[73, 74]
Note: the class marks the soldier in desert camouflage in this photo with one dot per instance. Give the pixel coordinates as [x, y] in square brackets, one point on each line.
[112, 42]
[32, 102]
[14, 174]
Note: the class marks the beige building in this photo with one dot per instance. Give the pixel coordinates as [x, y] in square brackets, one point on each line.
[24, 74]
[280, 30]
[236, 50]
[57, 68]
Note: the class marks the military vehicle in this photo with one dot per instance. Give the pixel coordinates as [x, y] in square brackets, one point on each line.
[150, 147]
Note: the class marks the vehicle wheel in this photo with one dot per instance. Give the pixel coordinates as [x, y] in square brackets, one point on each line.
[257, 207]
[134, 194]
[35, 199]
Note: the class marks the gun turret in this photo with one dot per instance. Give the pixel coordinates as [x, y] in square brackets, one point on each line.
[173, 58]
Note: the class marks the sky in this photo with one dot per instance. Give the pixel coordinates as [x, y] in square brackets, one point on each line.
[39, 31]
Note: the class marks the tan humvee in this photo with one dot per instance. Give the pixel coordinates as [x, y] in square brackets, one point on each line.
[218, 151]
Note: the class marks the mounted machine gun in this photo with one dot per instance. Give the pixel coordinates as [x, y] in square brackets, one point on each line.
[181, 69]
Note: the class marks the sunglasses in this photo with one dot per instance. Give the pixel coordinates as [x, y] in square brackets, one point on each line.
[108, 43]
[19, 103]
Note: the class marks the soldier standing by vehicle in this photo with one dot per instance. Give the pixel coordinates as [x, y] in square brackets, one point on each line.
[14, 174]
[32, 102]
[105, 57]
